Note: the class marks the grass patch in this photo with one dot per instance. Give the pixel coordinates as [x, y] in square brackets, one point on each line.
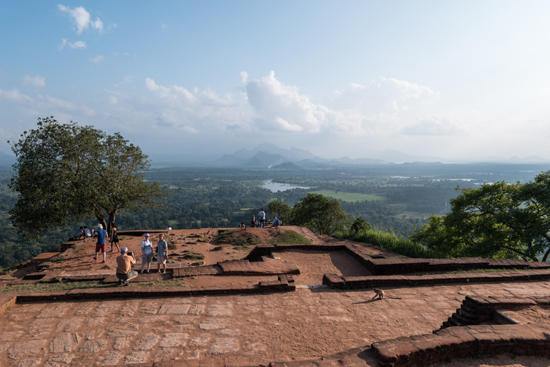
[190, 255]
[160, 283]
[241, 248]
[241, 239]
[172, 245]
[217, 248]
[223, 236]
[46, 287]
[290, 237]
[389, 242]
[350, 197]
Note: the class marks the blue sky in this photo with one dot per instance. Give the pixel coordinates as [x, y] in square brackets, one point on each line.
[455, 79]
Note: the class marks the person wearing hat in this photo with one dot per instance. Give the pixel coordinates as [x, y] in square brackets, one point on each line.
[124, 270]
[146, 253]
[101, 235]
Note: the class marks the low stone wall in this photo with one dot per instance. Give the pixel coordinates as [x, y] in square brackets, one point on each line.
[336, 281]
[378, 266]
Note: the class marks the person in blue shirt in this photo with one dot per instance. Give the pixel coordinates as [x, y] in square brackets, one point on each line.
[100, 245]
[276, 222]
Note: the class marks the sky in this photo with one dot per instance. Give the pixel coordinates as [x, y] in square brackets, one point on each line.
[462, 80]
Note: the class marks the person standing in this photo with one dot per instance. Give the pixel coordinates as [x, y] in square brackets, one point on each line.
[261, 217]
[124, 270]
[162, 254]
[114, 238]
[253, 222]
[146, 253]
[100, 244]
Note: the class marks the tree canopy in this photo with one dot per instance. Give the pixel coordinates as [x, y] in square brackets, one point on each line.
[318, 212]
[66, 172]
[495, 220]
[281, 210]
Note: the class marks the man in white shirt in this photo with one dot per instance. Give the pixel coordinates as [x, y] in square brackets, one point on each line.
[261, 217]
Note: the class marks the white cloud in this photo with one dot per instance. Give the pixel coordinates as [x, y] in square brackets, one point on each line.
[82, 19]
[97, 24]
[34, 81]
[244, 77]
[77, 44]
[164, 26]
[97, 59]
[14, 96]
[282, 107]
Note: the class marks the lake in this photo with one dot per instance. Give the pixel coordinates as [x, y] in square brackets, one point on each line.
[274, 186]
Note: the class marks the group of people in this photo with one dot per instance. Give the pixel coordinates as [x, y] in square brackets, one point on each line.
[126, 259]
[260, 223]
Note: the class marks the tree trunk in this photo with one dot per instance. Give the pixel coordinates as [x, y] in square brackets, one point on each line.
[101, 220]
[546, 255]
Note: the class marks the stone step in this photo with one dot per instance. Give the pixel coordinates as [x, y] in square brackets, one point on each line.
[156, 277]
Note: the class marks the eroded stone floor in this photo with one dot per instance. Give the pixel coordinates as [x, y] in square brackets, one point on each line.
[301, 325]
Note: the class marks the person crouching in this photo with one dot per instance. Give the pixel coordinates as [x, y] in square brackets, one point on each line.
[124, 270]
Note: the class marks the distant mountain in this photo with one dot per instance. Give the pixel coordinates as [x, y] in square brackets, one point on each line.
[390, 155]
[362, 161]
[6, 160]
[530, 159]
[265, 160]
[264, 156]
[287, 165]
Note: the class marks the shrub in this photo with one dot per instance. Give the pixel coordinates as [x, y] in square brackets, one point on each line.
[389, 242]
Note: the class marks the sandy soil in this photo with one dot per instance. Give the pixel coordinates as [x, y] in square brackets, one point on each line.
[532, 314]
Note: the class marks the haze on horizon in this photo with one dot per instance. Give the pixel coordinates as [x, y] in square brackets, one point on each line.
[458, 80]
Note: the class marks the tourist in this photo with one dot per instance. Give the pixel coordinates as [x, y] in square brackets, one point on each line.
[87, 232]
[124, 270]
[162, 253]
[242, 226]
[169, 228]
[114, 237]
[100, 244]
[253, 222]
[79, 233]
[146, 253]
[261, 217]
[276, 222]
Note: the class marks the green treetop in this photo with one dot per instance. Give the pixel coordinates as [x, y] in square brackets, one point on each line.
[318, 212]
[495, 220]
[66, 172]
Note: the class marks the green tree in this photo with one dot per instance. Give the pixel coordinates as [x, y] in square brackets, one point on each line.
[359, 225]
[66, 172]
[281, 210]
[495, 220]
[318, 212]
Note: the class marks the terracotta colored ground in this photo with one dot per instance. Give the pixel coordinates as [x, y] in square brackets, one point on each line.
[297, 325]
[282, 326]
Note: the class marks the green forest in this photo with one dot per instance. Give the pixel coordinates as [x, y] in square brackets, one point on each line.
[393, 198]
